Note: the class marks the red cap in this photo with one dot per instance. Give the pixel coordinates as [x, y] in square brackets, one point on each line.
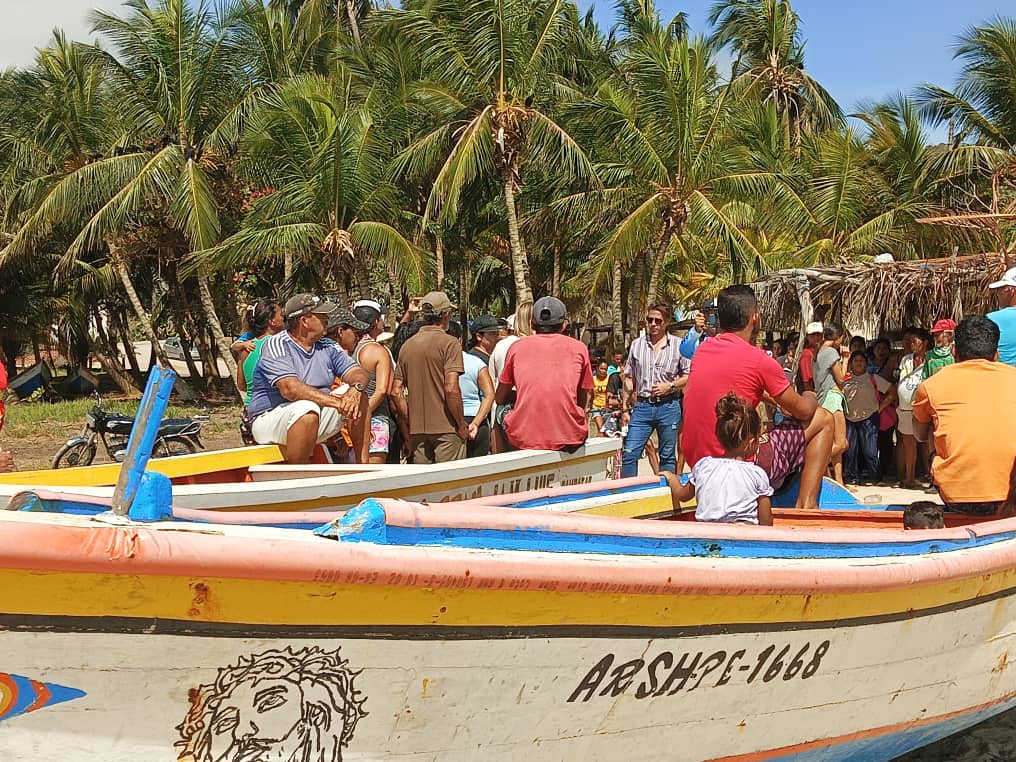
[945, 324]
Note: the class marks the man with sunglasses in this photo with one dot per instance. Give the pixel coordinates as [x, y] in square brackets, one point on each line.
[651, 400]
[290, 401]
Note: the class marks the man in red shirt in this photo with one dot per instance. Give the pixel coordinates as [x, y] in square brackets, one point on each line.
[552, 379]
[731, 362]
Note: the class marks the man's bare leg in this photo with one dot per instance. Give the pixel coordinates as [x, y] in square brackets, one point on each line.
[818, 437]
[301, 438]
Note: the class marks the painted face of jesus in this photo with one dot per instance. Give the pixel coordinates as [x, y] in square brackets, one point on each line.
[254, 723]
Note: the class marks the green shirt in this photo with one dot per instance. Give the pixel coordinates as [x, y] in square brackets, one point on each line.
[937, 359]
[249, 363]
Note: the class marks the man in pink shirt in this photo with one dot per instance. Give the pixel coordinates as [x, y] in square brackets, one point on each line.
[552, 379]
[731, 362]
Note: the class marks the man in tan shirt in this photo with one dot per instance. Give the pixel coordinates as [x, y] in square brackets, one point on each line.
[428, 368]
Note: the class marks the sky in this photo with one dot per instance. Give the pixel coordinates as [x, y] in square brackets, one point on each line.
[862, 49]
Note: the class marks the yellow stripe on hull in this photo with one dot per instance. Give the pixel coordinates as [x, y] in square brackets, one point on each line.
[282, 603]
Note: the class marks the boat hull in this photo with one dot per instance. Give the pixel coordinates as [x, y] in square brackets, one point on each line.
[250, 480]
[228, 643]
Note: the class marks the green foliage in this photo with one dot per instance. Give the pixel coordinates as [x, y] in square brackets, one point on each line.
[340, 146]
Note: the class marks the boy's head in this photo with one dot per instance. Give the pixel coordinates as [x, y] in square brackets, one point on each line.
[942, 332]
[923, 514]
[832, 332]
[858, 364]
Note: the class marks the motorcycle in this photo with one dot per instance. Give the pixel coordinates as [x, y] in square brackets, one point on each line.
[176, 436]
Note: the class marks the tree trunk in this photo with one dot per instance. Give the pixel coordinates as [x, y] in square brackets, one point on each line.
[637, 291]
[119, 320]
[555, 277]
[186, 329]
[362, 276]
[208, 306]
[520, 264]
[654, 275]
[185, 390]
[439, 260]
[617, 326]
[287, 270]
[354, 24]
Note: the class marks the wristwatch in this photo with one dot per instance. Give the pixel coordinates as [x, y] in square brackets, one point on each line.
[359, 387]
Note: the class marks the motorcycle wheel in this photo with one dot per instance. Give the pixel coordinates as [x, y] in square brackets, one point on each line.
[170, 447]
[76, 454]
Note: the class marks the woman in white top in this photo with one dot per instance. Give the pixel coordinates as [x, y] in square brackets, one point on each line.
[917, 342]
[523, 326]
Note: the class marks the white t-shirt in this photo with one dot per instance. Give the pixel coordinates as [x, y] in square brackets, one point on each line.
[728, 490]
[498, 355]
[910, 379]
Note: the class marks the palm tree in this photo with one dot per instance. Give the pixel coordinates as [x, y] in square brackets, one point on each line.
[769, 61]
[491, 75]
[981, 112]
[178, 79]
[329, 204]
[671, 161]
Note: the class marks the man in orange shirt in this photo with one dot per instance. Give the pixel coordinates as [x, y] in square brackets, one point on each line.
[971, 406]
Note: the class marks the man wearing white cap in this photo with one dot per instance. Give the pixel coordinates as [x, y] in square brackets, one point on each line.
[1005, 316]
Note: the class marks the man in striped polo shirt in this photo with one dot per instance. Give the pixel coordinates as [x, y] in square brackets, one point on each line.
[652, 385]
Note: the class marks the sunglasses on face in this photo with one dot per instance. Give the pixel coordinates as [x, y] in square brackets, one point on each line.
[655, 320]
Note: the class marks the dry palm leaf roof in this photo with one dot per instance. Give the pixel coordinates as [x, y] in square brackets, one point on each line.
[915, 292]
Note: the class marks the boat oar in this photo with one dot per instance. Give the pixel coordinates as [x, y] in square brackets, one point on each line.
[143, 435]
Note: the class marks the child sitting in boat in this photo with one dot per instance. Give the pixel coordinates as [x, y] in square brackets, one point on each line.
[730, 489]
[923, 514]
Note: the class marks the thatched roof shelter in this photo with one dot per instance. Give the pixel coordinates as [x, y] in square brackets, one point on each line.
[889, 295]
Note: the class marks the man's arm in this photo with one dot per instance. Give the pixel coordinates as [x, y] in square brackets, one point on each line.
[923, 414]
[691, 341]
[800, 406]
[400, 408]
[503, 392]
[453, 403]
[486, 385]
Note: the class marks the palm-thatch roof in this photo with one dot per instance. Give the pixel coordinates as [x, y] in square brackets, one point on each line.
[895, 294]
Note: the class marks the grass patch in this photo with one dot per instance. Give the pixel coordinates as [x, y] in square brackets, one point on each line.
[25, 419]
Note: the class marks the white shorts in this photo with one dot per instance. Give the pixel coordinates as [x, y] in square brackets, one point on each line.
[273, 427]
[905, 425]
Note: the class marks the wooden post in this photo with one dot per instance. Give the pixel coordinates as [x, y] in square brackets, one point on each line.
[146, 428]
[804, 299]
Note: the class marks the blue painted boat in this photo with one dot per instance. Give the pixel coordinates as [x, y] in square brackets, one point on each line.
[29, 381]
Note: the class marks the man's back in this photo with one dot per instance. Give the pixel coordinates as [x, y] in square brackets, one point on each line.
[972, 405]
[423, 362]
[547, 370]
[1005, 319]
[725, 363]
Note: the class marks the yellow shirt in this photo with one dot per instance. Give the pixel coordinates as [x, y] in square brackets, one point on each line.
[599, 392]
[972, 406]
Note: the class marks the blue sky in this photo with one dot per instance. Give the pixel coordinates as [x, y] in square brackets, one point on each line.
[867, 49]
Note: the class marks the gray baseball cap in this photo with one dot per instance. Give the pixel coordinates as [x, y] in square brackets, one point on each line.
[549, 311]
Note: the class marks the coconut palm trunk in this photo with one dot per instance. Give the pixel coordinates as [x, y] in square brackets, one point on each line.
[617, 326]
[520, 264]
[184, 388]
[223, 344]
[354, 24]
[657, 268]
[439, 260]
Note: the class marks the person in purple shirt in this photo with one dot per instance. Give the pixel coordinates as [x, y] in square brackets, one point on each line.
[291, 400]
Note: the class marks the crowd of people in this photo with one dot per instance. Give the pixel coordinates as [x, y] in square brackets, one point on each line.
[743, 416]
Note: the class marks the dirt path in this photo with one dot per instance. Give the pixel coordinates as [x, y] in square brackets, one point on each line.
[37, 451]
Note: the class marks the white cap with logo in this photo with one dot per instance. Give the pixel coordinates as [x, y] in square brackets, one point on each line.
[1008, 279]
[813, 328]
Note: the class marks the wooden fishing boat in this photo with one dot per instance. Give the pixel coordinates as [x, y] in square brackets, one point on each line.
[405, 631]
[256, 479]
[29, 381]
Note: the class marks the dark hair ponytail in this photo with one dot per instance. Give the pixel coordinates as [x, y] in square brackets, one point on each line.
[736, 422]
[260, 314]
